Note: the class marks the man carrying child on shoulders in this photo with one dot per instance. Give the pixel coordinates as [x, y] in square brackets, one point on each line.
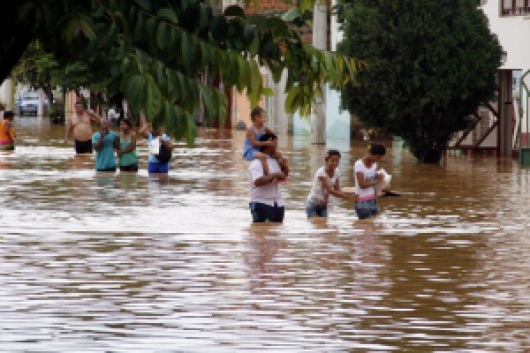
[266, 202]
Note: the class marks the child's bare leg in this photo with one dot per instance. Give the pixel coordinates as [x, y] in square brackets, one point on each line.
[263, 159]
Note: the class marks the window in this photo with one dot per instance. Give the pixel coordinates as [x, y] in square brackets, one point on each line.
[515, 7]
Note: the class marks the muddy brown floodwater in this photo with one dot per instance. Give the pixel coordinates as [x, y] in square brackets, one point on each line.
[116, 263]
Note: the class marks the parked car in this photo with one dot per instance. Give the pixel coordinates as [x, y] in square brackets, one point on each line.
[29, 103]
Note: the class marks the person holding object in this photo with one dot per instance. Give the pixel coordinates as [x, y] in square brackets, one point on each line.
[80, 124]
[266, 202]
[156, 138]
[366, 180]
[104, 142]
[7, 132]
[326, 183]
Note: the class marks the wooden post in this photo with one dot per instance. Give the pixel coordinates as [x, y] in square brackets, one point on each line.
[505, 117]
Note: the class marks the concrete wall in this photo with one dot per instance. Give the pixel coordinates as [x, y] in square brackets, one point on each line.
[7, 92]
[513, 32]
[338, 123]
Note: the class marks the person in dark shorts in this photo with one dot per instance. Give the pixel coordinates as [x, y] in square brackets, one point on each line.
[83, 147]
[266, 202]
[80, 125]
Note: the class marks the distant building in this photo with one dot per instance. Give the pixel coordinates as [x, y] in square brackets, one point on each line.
[327, 122]
[498, 124]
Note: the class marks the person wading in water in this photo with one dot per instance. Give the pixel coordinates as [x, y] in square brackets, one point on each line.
[81, 126]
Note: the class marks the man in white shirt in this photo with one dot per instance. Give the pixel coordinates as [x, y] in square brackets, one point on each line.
[266, 202]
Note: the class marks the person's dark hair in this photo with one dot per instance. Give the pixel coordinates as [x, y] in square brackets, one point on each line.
[377, 150]
[128, 122]
[8, 114]
[267, 137]
[331, 153]
[257, 111]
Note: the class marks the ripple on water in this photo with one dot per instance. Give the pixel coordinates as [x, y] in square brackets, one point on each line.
[118, 262]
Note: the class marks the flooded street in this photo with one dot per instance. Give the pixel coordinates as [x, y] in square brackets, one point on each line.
[115, 263]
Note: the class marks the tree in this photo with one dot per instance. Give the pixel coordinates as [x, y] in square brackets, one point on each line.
[40, 70]
[156, 52]
[35, 69]
[431, 63]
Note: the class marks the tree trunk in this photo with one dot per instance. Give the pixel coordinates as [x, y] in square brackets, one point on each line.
[49, 94]
[430, 156]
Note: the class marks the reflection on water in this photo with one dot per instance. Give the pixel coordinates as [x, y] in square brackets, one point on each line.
[130, 262]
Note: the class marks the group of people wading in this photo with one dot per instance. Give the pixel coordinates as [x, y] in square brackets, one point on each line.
[268, 169]
[106, 142]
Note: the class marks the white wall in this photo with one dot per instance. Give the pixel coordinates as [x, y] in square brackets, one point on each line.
[513, 33]
[7, 92]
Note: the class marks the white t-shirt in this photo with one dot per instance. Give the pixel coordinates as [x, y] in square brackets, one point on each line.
[319, 195]
[369, 175]
[268, 194]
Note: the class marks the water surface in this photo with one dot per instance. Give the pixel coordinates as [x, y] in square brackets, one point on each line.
[117, 262]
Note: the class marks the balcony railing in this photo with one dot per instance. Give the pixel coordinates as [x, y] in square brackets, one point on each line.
[516, 11]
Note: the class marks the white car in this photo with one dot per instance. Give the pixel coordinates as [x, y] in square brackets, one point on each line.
[28, 103]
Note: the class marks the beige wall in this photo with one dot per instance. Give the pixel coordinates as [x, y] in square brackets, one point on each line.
[241, 109]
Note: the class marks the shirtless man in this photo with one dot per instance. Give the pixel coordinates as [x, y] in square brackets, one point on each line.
[81, 124]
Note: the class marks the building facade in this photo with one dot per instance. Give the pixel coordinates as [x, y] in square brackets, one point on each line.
[501, 126]
[327, 124]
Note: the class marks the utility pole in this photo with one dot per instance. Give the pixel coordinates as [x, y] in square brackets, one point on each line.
[320, 41]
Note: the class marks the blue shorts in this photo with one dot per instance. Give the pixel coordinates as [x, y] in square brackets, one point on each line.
[366, 209]
[316, 210]
[157, 167]
[265, 213]
[250, 154]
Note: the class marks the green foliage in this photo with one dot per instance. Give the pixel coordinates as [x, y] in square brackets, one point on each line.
[39, 69]
[164, 55]
[430, 64]
[36, 68]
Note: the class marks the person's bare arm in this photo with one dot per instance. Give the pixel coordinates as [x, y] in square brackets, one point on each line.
[335, 190]
[94, 116]
[284, 166]
[363, 184]
[68, 130]
[99, 145]
[143, 131]
[253, 141]
[267, 179]
[131, 147]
